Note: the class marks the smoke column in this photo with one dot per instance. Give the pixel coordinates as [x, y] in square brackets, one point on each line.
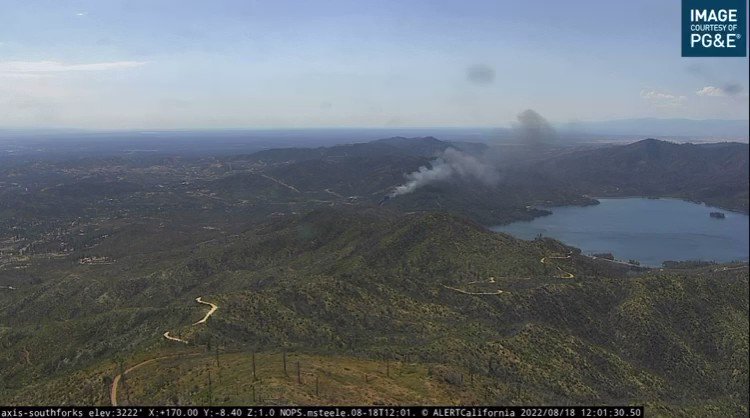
[532, 129]
[450, 163]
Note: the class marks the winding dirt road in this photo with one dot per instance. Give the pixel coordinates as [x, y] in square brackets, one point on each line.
[565, 274]
[491, 280]
[209, 313]
[116, 380]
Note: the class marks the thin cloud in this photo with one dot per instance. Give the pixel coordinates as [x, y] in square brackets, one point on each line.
[711, 91]
[662, 99]
[21, 67]
[725, 88]
[728, 90]
[22, 75]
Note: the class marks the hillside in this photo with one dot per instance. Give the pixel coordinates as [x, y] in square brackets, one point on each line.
[426, 147]
[363, 173]
[283, 182]
[100, 257]
[377, 286]
[713, 173]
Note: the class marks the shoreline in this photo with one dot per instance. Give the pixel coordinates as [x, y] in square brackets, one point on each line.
[523, 234]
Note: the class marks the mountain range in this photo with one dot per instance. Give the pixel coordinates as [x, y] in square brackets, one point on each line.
[413, 300]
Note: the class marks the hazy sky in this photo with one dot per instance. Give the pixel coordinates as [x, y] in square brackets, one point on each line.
[310, 63]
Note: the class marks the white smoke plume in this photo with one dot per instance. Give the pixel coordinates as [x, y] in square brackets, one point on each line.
[449, 164]
[531, 129]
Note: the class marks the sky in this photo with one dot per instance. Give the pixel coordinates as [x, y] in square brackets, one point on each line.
[158, 64]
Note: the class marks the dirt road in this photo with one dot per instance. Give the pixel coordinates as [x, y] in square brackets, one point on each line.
[202, 321]
[277, 181]
[171, 338]
[116, 380]
[564, 274]
[210, 312]
[497, 292]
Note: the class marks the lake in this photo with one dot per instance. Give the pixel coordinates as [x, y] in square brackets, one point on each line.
[648, 230]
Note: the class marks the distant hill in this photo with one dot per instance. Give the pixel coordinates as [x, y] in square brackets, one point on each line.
[369, 171]
[396, 146]
[715, 129]
[364, 173]
[713, 173]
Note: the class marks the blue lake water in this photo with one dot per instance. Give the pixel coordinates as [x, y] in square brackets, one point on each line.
[648, 230]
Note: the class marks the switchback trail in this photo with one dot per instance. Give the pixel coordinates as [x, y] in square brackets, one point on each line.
[491, 280]
[565, 274]
[116, 380]
[210, 312]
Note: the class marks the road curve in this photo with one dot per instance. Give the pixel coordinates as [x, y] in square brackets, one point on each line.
[202, 321]
[209, 313]
[171, 338]
[565, 274]
[116, 380]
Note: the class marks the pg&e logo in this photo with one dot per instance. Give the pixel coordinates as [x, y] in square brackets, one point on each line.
[714, 28]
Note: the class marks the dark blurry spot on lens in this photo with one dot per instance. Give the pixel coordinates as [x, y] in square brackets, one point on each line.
[480, 74]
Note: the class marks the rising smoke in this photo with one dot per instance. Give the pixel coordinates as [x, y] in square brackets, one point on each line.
[531, 128]
[449, 164]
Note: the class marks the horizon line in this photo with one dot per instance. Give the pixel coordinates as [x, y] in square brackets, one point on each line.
[508, 125]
